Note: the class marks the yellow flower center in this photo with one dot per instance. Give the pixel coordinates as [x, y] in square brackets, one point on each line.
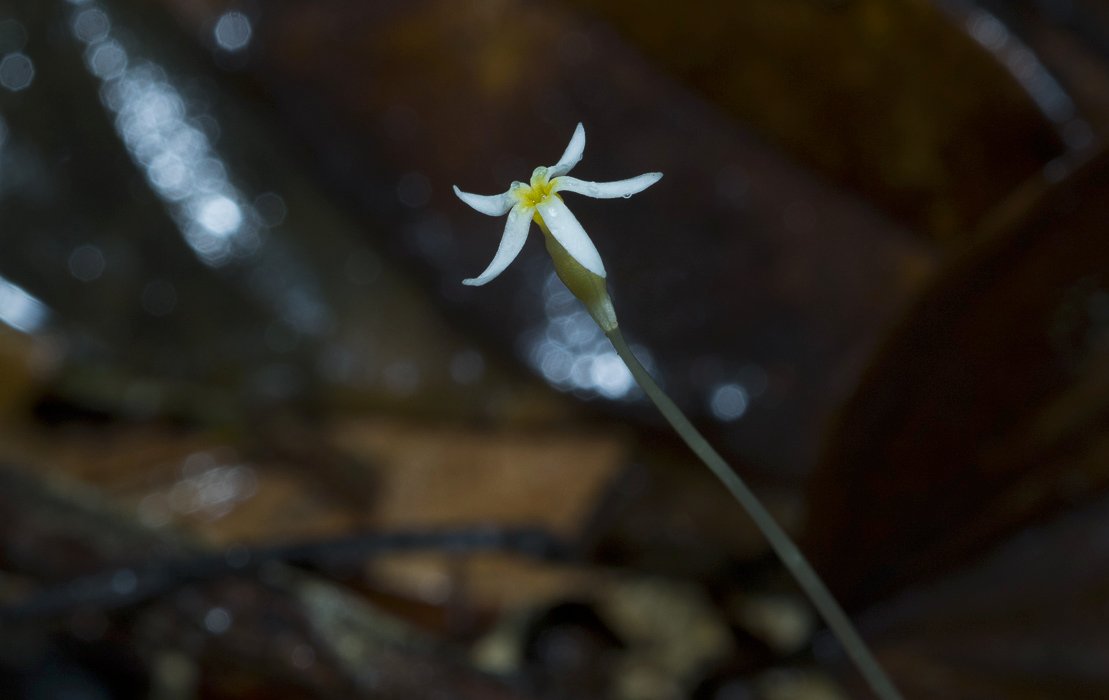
[584, 284]
[533, 193]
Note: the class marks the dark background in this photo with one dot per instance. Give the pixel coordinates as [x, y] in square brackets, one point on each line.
[257, 440]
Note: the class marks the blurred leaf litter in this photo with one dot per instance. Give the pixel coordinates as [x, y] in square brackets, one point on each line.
[822, 173]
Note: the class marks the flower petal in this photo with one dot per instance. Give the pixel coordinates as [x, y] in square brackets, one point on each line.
[572, 155]
[567, 231]
[515, 233]
[491, 204]
[606, 190]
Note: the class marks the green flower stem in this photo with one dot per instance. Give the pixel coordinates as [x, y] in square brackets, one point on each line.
[787, 551]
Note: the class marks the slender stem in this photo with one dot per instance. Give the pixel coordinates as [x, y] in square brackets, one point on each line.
[787, 551]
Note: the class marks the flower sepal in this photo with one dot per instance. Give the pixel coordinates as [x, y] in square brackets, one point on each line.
[589, 287]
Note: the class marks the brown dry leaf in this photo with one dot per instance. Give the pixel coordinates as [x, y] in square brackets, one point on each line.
[1025, 622]
[895, 99]
[986, 408]
[429, 477]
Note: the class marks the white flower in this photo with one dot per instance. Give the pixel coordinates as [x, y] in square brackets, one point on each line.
[539, 199]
